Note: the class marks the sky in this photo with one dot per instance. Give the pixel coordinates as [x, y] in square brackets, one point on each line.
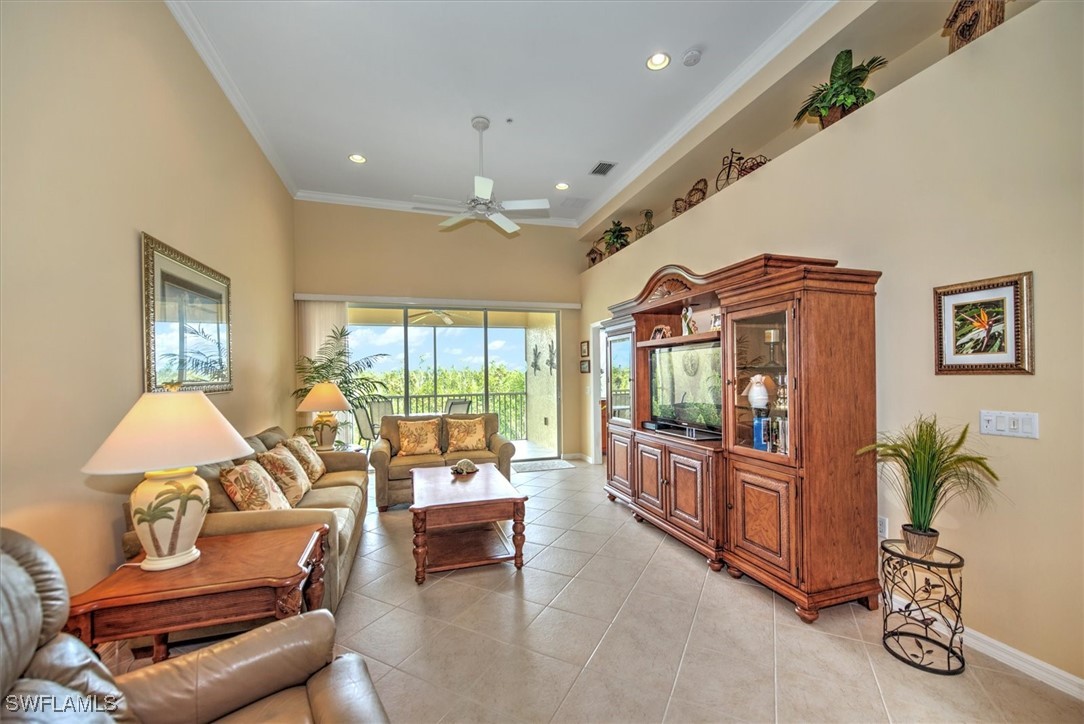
[459, 347]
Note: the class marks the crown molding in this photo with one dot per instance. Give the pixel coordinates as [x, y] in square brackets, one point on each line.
[324, 197]
[797, 24]
[437, 302]
[191, 26]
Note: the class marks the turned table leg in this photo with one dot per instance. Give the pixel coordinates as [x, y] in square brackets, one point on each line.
[161, 647]
[518, 512]
[314, 591]
[421, 546]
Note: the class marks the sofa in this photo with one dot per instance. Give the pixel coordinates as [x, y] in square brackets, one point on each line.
[284, 671]
[339, 498]
[393, 483]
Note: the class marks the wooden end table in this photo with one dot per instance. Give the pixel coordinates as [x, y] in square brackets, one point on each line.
[239, 577]
[456, 519]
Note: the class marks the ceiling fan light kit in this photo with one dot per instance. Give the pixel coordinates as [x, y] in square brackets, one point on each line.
[482, 205]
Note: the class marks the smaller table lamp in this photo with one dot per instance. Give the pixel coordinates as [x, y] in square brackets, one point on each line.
[324, 399]
[164, 435]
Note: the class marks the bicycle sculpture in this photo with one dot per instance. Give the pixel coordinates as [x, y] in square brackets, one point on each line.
[735, 166]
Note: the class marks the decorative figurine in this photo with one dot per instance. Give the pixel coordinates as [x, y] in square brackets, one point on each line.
[464, 467]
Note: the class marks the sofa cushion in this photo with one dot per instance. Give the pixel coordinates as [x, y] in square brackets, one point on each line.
[389, 428]
[342, 496]
[211, 474]
[467, 434]
[344, 521]
[489, 419]
[251, 487]
[287, 472]
[421, 437]
[475, 456]
[399, 466]
[272, 436]
[257, 447]
[302, 450]
[346, 478]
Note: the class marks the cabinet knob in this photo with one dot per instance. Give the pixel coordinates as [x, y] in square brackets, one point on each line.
[730, 506]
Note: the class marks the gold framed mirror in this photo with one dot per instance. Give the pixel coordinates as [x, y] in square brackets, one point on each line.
[186, 322]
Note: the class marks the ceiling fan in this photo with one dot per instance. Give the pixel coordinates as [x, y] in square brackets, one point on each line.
[482, 205]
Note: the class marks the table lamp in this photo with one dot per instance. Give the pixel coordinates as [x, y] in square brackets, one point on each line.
[165, 435]
[324, 399]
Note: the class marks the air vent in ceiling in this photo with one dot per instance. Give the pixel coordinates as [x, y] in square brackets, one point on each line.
[603, 168]
[573, 203]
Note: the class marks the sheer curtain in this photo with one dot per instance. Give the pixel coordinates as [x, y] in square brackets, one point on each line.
[313, 322]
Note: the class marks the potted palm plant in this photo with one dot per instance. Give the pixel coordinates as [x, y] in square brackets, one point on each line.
[843, 93]
[929, 467]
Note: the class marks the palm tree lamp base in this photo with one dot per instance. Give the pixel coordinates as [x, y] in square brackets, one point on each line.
[168, 509]
[325, 427]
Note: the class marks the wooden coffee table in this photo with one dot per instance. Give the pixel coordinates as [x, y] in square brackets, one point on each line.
[241, 577]
[456, 519]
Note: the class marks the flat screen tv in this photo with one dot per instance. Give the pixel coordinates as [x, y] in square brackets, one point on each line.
[686, 386]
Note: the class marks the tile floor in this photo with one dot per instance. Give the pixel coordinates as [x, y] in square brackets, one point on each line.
[612, 621]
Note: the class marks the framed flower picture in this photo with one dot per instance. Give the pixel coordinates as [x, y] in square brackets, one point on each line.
[984, 327]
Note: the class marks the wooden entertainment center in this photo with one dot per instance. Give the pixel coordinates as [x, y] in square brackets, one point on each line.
[761, 477]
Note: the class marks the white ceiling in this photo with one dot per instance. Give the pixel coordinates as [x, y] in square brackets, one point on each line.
[399, 82]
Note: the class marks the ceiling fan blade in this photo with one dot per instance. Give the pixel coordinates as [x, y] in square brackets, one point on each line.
[437, 200]
[483, 187]
[506, 224]
[526, 204]
[457, 219]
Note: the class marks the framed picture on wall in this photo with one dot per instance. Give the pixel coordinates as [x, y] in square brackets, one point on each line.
[585, 365]
[984, 327]
[585, 349]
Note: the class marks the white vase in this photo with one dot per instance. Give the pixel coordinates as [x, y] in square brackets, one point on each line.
[757, 393]
[168, 509]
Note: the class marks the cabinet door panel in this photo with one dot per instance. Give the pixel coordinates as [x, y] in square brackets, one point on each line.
[687, 476]
[649, 476]
[619, 463]
[763, 518]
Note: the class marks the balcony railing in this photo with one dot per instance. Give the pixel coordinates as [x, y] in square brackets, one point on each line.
[511, 408]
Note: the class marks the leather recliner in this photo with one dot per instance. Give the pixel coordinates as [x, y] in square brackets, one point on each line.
[282, 672]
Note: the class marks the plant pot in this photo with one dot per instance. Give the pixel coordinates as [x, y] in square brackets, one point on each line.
[919, 543]
[835, 113]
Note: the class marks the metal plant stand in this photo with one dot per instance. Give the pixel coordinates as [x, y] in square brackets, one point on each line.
[922, 600]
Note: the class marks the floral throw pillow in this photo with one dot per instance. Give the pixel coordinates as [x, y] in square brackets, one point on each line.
[287, 472]
[419, 438]
[466, 434]
[250, 487]
[309, 459]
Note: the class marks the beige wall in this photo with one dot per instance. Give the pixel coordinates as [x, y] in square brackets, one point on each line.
[938, 182]
[353, 251]
[112, 125]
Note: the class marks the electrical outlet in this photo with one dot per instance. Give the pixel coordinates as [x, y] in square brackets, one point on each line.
[882, 527]
[1009, 424]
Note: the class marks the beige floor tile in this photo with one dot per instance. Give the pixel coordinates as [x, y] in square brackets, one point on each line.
[1023, 699]
[591, 598]
[395, 587]
[594, 497]
[741, 686]
[465, 710]
[611, 510]
[442, 600]
[642, 529]
[558, 520]
[559, 560]
[577, 540]
[530, 550]
[870, 623]
[372, 540]
[396, 553]
[617, 573]
[534, 584]
[365, 571]
[912, 695]
[596, 697]
[487, 577]
[355, 612]
[540, 505]
[394, 636]
[835, 620]
[803, 698]
[600, 526]
[500, 616]
[563, 635]
[682, 712]
[454, 658]
[732, 631]
[524, 685]
[674, 576]
[646, 640]
[409, 699]
[540, 534]
[528, 489]
[575, 507]
[834, 658]
[627, 548]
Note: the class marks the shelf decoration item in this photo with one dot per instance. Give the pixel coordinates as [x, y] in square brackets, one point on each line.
[971, 18]
[735, 166]
[984, 327]
[647, 227]
[165, 435]
[688, 324]
[843, 93]
[661, 331]
[928, 466]
[616, 237]
[325, 399]
[696, 194]
[757, 391]
[772, 338]
[464, 467]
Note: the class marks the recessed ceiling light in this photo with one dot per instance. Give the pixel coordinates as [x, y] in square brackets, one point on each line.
[561, 186]
[658, 61]
[356, 158]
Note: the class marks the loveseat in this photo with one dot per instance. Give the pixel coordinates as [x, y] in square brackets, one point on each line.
[393, 483]
[284, 671]
[339, 498]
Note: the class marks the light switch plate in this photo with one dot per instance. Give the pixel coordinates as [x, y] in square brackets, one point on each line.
[1009, 424]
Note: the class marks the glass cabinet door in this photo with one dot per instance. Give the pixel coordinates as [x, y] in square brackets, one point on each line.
[759, 380]
[620, 379]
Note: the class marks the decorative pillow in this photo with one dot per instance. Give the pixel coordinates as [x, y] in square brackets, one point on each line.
[466, 434]
[250, 487]
[419, 438]
[287, 472]
[302, 450]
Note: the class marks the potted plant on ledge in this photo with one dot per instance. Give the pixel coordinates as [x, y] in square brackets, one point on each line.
[843, 93]
[928, 468]
[616, 237]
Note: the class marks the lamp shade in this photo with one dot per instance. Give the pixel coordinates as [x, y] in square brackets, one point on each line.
[324, 397]
[168, 430]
